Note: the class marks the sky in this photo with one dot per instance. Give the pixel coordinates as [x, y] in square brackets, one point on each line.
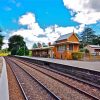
[45, 20]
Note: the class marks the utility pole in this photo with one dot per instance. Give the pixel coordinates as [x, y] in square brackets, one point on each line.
[24, 49]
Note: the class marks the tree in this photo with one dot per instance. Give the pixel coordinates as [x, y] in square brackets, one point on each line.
[87, 36]
[44, 45]
[1, 39]
[0, 30]
[35, 45]
[16, 42]
[39, 45]
[96, 40]
[23, 51]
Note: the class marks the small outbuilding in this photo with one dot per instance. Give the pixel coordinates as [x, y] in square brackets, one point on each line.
[43, 52]
[93, 49]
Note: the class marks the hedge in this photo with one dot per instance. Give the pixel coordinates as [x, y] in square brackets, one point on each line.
[77, 55]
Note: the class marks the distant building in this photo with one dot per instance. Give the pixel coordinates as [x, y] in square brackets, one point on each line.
[65, 45]
[43, 52]
[93, 49]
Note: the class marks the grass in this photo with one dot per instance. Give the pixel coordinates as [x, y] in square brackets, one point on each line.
[4, 54]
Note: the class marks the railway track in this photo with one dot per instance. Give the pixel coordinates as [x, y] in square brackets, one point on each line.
[22, 77]
[65, 74]
[86, 75]
[68, 84]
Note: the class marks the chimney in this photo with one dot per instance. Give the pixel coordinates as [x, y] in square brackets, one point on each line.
[49, 44]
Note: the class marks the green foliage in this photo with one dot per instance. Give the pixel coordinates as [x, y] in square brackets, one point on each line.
[87, 36]
[82, 50]
[39, 45]
[44, 45]
[35, 45]
[22, 51]
[15, 41]
[96, 40]
[13, 51]
[86, 51]
[30, 53]
[16, 45]
[4, 52]
[77, 55]
[1, 39]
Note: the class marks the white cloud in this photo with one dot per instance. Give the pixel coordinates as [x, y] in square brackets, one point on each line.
[29, 37]
[34, 33]
[27, 19]
[5, 41]
[87, 11]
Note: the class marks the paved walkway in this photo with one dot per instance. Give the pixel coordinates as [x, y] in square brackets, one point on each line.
[80, 64]
[0, 66]
[4, 92]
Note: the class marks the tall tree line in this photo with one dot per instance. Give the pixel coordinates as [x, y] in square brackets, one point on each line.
[88, 36]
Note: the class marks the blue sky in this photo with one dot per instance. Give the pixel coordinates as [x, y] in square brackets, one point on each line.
[45, 20]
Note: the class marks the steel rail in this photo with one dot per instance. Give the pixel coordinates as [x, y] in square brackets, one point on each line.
[51, 93]
[66, 75]
[79, 90]
[21, 88]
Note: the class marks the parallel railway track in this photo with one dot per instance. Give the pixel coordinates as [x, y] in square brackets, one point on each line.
[66, 75]
[21, 84]
[77, 89]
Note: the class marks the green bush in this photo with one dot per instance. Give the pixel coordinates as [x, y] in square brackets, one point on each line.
[82, 50]
[23, 51]
[86, 51]
[77, 55]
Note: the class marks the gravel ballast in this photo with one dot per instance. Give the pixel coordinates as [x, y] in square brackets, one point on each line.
[32, 89]
[14, 89]
[64, 92]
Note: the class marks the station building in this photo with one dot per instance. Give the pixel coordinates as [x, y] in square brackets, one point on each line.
[65, 45]
[61, 49]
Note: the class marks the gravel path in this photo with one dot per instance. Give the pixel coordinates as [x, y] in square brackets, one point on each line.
[32, 89]
[14, 89]
[64, 92]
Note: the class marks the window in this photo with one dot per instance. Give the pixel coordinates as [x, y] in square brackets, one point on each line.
[61, 48]
[70, 46]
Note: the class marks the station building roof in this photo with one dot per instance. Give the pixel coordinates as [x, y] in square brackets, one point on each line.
[63, 37]
[95, 46]
[42, 48]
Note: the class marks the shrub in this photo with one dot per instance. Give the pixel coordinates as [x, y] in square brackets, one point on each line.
[82, 50]
[77, 55]
[23, 51]
[86, 51]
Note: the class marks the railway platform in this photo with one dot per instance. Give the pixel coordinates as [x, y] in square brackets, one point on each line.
[89, 65]
[4, 92]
